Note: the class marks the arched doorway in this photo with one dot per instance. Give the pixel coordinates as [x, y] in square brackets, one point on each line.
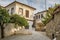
[30, 25]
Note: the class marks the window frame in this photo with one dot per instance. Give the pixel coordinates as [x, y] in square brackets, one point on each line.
[20, 11]
[12, 10]
[27, 13]
[41, 15]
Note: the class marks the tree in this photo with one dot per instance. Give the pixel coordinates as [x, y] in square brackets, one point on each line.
[49, 14]
[18, 20]
[4, 18]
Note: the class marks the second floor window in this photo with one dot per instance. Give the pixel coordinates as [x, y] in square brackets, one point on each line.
[8, 10]
[27, 13]
[12, 10]
[20, 11]
[41, 15]
[36, 17]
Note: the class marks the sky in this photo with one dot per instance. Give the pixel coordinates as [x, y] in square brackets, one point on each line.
[38, 4]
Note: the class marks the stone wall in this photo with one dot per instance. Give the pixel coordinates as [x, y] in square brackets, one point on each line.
[39, 27]
[10, 29]
[57, 21]
[50, 29]
[58, 37]
[53, 27]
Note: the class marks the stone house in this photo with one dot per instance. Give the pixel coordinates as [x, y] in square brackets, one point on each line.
[53, 26]
[21, 9]
[38, 19]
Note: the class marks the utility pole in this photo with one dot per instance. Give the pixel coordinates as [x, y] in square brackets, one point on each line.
[15, 0]
[45, 5]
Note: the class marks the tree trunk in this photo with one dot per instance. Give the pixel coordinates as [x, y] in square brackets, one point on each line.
[2, 31]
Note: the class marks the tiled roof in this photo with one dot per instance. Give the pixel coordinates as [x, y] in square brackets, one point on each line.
[41, 12]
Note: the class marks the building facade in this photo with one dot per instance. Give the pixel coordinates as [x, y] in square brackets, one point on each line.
[21, 9]
[38, 19]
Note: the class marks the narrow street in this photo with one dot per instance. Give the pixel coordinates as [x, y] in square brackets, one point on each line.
[35, 36]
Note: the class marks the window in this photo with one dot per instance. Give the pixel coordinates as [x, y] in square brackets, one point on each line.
[36, 17]
[12, 10]
[27, 13]
[41, 15]
[8, 10]
[20, 11]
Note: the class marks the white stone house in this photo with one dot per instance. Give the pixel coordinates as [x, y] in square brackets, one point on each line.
[39, 17]
[21, 9]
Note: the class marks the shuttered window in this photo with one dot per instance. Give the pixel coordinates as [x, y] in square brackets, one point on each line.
[27, 13]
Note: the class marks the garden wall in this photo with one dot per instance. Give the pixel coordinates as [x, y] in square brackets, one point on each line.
[9, 29]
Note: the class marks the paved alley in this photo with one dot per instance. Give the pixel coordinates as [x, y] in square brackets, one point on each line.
[35, 36]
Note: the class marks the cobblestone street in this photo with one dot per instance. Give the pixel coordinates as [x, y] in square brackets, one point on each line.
[35, 36]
